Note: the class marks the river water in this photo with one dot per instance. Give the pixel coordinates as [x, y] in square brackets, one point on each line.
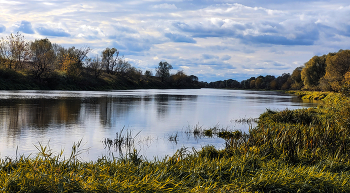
[159, 121]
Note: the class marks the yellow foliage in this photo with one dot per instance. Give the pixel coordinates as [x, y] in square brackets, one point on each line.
[70, 65]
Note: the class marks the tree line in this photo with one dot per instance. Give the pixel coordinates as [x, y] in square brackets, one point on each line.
[41, 64]
[329, 72]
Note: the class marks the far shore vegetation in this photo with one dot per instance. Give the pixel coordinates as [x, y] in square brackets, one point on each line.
[303, 150]
[40, 64]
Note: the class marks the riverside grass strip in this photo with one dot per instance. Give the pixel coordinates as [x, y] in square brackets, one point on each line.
[303, 150]
[193, 173]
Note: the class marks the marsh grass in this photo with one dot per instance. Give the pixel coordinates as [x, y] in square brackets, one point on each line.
[289, 151]
[122, 142]
[248, 121]
[174, 138]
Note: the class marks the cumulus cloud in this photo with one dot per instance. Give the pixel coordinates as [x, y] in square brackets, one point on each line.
[262, 33]
[26, 27]
[47, 31]
[90, 32]
[179, 38]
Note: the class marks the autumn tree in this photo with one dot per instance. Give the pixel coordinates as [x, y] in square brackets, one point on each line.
[259, 82]
[14, 51]
[73, 60]
[346, 84]
[314, 69]
[297, 82]
[337, 66]
[163, 70]
[252, 84]
[42, 57]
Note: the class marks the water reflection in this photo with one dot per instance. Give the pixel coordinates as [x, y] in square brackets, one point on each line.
[64, 117]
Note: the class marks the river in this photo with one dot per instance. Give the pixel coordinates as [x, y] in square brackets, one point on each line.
[159, 121]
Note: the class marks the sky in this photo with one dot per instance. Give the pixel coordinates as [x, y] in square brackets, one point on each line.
[214, 40]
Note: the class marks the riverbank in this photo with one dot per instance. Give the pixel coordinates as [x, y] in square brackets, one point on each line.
[23, 80]
[310, 95]
[304, 150]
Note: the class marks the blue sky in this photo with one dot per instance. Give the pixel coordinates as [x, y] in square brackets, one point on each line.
[214, 40]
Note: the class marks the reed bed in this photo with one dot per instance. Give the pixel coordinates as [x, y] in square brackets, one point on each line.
[303, 150]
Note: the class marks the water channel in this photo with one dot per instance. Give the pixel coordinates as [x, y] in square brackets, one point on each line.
[154, 118]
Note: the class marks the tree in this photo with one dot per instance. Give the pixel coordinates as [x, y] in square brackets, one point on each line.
[122, 67]
[148, 73]
[314, 69]
[297, 82]
[281, 80]
[110, 59]
[42, 56]
[95, 66]
[233, 83]
[337, 66]
[163, 70]
[14, 51]
[259, 83]
[193, 78]
[134, 73]
[180, 78]
[73, 60]
[273, 85]
[268, 79]
[252, 84]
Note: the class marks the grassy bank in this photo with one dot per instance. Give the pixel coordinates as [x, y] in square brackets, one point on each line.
[311, 95]
[304, 150]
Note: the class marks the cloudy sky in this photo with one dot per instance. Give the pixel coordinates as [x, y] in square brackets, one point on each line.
[214, 40]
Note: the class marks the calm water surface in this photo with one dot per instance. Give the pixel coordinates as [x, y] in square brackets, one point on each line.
[153, 116]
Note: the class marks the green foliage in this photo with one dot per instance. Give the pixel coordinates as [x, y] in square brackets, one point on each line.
[313, 71]
[163, 70]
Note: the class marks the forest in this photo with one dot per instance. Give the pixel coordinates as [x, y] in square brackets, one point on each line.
[329, 72]
[41, 64]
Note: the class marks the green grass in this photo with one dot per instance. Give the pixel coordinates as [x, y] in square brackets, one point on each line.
[305, 150]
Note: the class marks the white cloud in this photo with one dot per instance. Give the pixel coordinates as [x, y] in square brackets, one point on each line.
[165, 6]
